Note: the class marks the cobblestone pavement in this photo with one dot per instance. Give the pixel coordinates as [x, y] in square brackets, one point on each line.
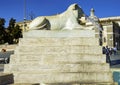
[115, 60]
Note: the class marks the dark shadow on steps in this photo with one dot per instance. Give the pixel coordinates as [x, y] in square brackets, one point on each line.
[6, 79]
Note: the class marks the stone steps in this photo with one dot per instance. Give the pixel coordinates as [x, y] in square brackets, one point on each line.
[59, 41]
[6, 79]
[25, 84]
[65, 84]
[93, 77]
[59, 49]
[59, 33]
[46, 68]
[58, 58]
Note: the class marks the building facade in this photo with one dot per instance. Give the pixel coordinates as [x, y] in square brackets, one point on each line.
[111, 31]
[24, 25]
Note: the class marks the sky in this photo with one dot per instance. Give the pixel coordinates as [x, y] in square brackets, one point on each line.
[15, 8]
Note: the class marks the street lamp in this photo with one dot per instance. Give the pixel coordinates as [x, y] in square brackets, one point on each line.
[111, 39]
[25, 15]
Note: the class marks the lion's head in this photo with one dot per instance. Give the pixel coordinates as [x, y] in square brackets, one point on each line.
[77, 10]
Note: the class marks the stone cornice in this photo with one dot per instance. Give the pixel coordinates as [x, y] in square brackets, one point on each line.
[117, 18]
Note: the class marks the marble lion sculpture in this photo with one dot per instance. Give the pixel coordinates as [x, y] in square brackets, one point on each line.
[66, 20]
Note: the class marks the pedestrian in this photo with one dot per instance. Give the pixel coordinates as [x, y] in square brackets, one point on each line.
[115, 50]
[103, 50]
[111, 51]
[107, 55]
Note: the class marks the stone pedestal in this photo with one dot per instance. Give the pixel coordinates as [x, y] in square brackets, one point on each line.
[68, 57]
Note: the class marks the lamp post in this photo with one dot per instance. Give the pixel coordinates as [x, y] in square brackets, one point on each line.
[111, 40]
[25, 15]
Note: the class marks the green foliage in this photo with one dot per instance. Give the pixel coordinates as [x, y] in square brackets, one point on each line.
[14, 32]
[11, 34]
[2, 30]
[2, 22]
[11, 24]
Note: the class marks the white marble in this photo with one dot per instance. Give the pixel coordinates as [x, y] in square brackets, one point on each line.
[59, 33]
[66, 20]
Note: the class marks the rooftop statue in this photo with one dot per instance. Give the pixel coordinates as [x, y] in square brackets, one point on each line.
[70, 19]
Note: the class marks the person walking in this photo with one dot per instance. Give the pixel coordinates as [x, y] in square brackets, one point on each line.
[115, 50]
[108, 55]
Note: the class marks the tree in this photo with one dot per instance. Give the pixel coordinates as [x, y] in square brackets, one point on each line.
[17, 33]
[10, 30]
[14, 32]
[11, 24]
[10, 35]
[2, 30]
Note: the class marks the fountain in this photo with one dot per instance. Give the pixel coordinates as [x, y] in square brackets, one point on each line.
[66, 54]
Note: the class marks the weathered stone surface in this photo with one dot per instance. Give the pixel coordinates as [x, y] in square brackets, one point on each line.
[66, 20]
[66, 84]
[63, 41]
[61, 49]
[58, 68]
[25, 84]
[82, 77]
[58, 58]
[59, 34]
[63, 61]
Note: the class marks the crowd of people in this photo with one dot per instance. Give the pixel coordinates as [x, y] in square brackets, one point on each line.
[109, 51]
